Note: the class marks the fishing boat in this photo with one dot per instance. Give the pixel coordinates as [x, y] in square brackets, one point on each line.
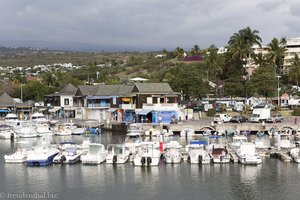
[247, 154]
[219, 154]
[95, 155]
[62, 129]
[172, 153]
[117, 154]
[147, 155]
[197, 153]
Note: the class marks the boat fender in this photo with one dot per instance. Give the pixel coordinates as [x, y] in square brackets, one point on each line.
[143, 160]
[149, 160]
[114, 158]
[200, 159]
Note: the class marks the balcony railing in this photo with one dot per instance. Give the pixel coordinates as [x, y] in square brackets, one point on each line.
[127, 106]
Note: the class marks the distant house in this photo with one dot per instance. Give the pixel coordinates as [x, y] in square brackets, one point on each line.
[193, 58]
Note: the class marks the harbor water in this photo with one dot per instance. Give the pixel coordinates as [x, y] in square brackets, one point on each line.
[273, 179]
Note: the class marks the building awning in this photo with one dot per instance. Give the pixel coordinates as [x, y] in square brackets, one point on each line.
[55, 109]
[144, 112]
[112, 110]
[125, 99]
[4, 111]
[69, 108]
[42, 109]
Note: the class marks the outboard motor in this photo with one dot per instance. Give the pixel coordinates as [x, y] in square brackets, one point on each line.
[200, 159]
[115, 159]
[143, 161]
[62, 159]
[149, 160]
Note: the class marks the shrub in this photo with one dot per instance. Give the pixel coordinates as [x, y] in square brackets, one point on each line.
[211, 112]
[296, 112]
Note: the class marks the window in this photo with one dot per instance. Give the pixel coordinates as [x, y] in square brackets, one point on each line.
[66, 102]
[114, 100]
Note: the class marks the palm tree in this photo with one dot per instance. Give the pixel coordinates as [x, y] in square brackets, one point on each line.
[294, 73]
[240, 44]
[260, 60]
[277, 53]
[213, 63]
[179, 52]
[195, 50]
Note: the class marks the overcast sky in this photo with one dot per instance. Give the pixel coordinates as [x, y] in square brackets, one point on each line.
[142, 24]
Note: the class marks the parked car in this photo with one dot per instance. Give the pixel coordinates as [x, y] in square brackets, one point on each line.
[222, 118]
[275, 118]
[238, 119]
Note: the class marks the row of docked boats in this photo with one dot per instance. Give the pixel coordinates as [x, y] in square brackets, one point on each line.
[12, 128]
[141, 153]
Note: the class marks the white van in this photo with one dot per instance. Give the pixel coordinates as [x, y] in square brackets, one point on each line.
[218, 118]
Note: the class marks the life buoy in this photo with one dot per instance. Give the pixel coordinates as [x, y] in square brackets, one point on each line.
[115, 158]
[143, 160]
[149, 160]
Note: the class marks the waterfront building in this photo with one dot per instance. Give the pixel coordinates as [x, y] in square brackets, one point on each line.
[8, 104]
[60, 103]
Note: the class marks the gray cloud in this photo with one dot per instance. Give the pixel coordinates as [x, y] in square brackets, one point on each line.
[142, 24]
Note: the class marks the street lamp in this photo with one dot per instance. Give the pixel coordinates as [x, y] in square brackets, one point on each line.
[278, 77]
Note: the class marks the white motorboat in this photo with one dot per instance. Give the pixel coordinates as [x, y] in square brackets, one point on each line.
[62, 130]
[37, 118]
[197, 153]
[19, 156]
[153, 131]
[295, 154]
[219, 154]
[43, 129]
[41, 155]
[173, 154]
[273, 131]
[95, 155]
[117, 154]
[247, 154]
[69, 154]
[11, 119]
[237, 140]
[187, 132]
[24, 129]
[166, 133]
[78, 131]
[7, 132]
[284, 141]
[132, 142]
[147, 155]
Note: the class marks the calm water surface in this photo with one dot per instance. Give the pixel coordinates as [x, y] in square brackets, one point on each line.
[271, 180]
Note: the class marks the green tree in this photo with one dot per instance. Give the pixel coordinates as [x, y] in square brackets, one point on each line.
[294, 73]
[213, 63]
[263, 82]
[179, 52]
[195, 50]
[276, 53]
